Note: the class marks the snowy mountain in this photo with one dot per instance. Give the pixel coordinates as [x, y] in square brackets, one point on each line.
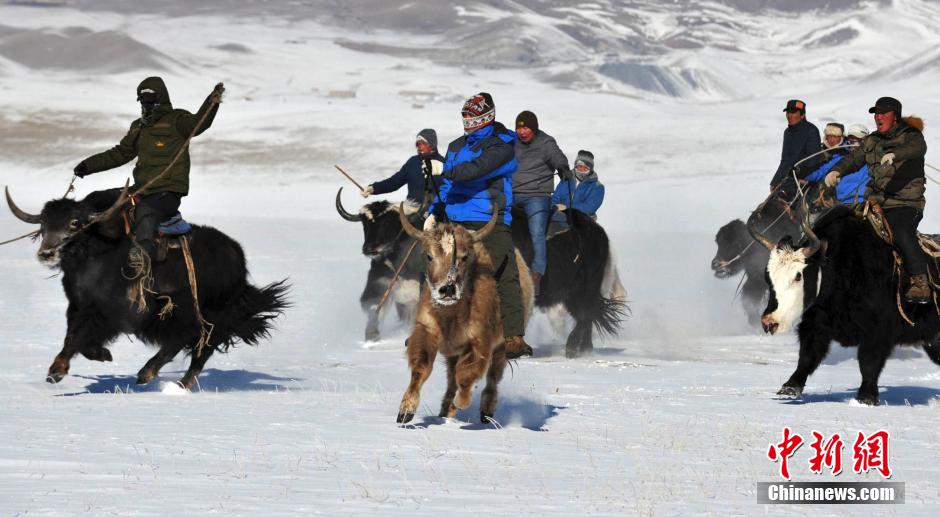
[680, 49]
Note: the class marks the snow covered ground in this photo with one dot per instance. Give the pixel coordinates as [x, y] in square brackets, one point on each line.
[673, 417]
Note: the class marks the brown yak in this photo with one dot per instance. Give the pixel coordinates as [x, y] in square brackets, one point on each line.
[458, 316]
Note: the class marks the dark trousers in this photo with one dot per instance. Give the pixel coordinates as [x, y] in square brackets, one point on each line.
[499, 245]
[903, 222]
[152, 210]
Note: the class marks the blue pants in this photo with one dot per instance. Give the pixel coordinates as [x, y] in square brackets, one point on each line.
[537, 209]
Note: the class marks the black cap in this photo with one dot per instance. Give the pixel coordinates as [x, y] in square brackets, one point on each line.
[795, 105]
[886, 104]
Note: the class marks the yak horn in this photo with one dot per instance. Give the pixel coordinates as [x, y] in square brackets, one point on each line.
[21, 215]
[406, 223]
[97, 217]
[342, 211]
[757, 235]
[484, 232]
[814, 242]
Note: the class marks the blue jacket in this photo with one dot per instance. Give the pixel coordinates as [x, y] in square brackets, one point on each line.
[851, 187]
[477, 175]
[587, 196]
[411, 174]
[820, 173]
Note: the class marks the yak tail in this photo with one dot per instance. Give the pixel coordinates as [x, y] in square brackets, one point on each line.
[610, 315]
[932, 348]
[253, 311]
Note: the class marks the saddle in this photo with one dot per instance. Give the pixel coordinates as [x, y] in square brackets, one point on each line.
[168, 232]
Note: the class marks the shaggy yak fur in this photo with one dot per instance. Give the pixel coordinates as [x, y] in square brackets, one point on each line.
[385, 244]
[91, 251]
[461, 319]
[579, 265]
[853, 271]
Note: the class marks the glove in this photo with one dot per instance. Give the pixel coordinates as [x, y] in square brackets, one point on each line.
[566, 174]
[437, 167]
[832, 179]
[216, 95]
[366, 192]
[560, 207]
[81, 170]
[887, 159]
[429, 223]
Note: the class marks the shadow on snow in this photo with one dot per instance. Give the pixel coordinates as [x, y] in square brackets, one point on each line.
[890, 396]
[209, 380]
[525, 413]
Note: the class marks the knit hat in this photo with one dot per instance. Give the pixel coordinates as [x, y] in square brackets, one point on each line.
[858, 131]
[478, 111]
[585, 158]
[529, 120]
[834, 129]
[428, 135]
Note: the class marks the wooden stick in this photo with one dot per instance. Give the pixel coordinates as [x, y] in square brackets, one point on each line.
[340, 169]
[391, 284]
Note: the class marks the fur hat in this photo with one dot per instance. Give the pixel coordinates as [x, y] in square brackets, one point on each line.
[857, 130]
[834, 129]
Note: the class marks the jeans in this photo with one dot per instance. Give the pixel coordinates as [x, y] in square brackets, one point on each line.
[537, 209]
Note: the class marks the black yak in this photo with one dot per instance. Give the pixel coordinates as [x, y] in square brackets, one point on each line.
[842, 284]
[385, 244]
[85, 240]
[580, 275]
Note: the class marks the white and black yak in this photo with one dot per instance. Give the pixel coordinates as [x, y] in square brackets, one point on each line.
[841, 284]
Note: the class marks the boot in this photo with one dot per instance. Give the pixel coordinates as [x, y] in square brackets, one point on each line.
[919, 291]
[536, 280]
[516, 347]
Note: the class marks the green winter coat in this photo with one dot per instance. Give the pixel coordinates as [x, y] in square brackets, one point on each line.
[902, 183]
[154, 145]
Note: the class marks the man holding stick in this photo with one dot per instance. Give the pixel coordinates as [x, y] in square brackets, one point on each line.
[161, 178]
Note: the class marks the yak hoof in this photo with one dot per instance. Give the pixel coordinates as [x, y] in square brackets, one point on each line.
[572, 353]
[868, 400]
[793, 392]
[487, 418]
[54, 378]
[524, 350]
[405, 417]
[372, 334]
[145, 376]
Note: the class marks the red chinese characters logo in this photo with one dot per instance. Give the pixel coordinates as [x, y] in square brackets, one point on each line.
[869, 452]
[826, 454]
[783, 450]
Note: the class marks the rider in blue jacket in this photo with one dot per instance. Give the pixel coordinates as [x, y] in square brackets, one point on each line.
[583, 193]
[477, 179]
